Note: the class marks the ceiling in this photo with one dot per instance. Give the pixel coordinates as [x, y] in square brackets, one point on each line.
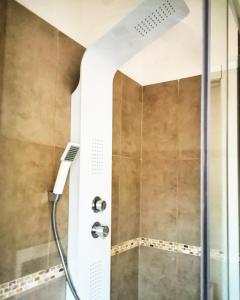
[176, 54]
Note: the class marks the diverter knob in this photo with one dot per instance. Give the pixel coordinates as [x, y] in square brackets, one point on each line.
[98, 204]
[99, 230]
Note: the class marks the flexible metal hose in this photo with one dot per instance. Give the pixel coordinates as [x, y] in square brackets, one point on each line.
[60, 248]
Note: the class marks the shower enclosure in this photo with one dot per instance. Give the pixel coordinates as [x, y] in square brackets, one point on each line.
[223, 156]
[148, 165]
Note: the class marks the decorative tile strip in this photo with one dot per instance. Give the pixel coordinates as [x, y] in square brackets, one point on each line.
[28, 282]
[171, 246]
[125, 246]
[157, 244]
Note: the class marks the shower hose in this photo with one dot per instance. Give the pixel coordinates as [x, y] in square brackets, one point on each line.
[60, 247]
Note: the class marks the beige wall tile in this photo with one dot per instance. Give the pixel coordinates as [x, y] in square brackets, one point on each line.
[7, 246]
[3, 10]
[114, 278]
[131, 118]
[116, 160]
[189, 114]
[3, 6]
[129, 195]
[171, 128]
[68, 70]
[188, 277]
[127, 268]
[124, 276]
[160, 135]
[117, 112]
[158, 199]
[188, 221]
[157, 274]
[29, 83]
[26, 176]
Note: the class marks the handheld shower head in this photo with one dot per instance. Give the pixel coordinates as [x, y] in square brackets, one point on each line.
[67, 159]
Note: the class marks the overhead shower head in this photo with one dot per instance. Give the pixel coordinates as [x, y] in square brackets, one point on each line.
[138, 29]
[67, 159]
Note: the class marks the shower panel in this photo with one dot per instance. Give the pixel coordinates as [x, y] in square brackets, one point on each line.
[89, 245]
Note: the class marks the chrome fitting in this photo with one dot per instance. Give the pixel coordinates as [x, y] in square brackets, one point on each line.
[53, 197]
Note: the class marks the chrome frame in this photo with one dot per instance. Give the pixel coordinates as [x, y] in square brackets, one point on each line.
[204, 147]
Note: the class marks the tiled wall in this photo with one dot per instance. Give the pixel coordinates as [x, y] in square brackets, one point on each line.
[163, 143]
[170, 188]
[2, 39]
[41, 69]
[127, 107]
[155, 148]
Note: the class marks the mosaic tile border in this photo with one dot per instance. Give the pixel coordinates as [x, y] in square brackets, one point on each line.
[20, 285]
[28, 282]
[157, 244]
[171, 246]
[125, 246]
[164, 245]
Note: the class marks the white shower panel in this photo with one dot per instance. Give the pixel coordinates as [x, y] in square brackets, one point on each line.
[91, 127]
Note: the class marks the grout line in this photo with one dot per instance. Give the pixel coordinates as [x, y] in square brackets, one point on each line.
[161, 158]
[177, 179]
[140, 184]
[121, 112]
[140, 175]
[125, 156]
[179, 144]
[177, 216]
[141, 137]
[54, 140]
[120, 160]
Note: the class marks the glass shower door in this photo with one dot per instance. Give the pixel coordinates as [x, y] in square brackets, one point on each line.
[223, 219]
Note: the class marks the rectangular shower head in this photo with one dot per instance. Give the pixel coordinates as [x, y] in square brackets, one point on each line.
[139, 29]
[70, 152]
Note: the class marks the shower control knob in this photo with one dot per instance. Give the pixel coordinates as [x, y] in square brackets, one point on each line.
[98, 204]
[99, 230]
